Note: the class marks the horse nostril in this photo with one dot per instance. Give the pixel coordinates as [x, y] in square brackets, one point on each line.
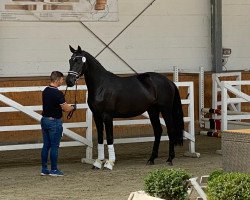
[70, 80]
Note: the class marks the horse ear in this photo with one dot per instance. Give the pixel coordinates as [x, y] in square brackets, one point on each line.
[79, 48]
[72, 49]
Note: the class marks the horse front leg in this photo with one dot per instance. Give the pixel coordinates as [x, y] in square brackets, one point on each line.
[108, 121]
[100, 147]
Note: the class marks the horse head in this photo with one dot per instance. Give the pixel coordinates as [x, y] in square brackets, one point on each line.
[77, 64]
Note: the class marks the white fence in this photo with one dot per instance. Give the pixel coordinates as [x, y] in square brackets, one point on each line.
[30, 110]
[79, 140]
[216, 89]
[233, 87]
[233, 106]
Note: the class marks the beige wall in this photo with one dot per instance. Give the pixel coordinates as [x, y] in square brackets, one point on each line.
[169, 33]
[236, 33]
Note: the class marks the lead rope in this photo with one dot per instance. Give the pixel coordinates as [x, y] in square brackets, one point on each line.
[72, 111]
[65, 91]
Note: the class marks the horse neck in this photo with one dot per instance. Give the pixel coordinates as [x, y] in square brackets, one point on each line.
[95, 74]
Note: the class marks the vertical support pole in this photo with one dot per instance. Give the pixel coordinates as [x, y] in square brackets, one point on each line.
[223, 106]
[216, 35]
[176, 74]
[214, 91]
[201, 96]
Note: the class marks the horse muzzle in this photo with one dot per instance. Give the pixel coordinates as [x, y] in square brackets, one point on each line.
[70, 80]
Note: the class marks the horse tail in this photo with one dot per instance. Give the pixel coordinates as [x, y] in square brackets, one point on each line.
[178, 119]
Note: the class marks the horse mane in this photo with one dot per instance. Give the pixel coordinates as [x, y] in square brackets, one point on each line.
[96, 63]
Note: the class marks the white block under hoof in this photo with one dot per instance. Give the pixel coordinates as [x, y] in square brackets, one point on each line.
[98, 164]
[109, 164]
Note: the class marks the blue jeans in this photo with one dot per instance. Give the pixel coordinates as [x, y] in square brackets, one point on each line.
[52, 133]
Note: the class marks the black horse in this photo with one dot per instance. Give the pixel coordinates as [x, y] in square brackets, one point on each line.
[111, 96]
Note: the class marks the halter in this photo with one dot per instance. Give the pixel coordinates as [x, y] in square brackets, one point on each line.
[77, 75]
[83, 58]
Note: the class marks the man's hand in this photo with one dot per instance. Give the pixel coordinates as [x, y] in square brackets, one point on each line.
[68, 107]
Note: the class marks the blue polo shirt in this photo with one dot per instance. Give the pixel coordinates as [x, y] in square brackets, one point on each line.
[52, 98]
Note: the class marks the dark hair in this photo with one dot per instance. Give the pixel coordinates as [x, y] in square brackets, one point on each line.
[55, 75]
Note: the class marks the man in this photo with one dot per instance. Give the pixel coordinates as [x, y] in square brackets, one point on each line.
[53, 105]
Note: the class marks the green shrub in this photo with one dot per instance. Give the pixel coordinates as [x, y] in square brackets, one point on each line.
[228, 186]
[170, 184]
[215, 174]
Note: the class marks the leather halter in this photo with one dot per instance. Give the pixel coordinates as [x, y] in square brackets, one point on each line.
[77, 75]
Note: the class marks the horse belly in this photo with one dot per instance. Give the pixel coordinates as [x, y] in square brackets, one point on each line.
[131, 107]
[126, 115]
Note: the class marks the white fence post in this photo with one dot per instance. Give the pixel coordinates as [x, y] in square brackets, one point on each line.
[201, 95]
[89, 136]
[191, 115]
[223, 107]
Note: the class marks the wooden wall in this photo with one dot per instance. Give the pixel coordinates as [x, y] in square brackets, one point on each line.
[34, 98]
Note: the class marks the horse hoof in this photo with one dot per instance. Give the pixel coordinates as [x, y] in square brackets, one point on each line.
[150, 162]
[109, 165]
[97, 164]
[95, 168]
[170, 163]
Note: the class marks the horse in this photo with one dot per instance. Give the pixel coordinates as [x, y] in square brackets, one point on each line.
[111, 96]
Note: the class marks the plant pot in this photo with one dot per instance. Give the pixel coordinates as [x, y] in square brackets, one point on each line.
[141, 195]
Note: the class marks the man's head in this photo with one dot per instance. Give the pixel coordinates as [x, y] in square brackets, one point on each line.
[56, 78]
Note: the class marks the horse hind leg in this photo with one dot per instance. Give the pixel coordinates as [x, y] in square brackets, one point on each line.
[155, 121]
[170, 129]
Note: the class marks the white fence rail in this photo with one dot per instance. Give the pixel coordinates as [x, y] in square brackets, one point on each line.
[79, 140]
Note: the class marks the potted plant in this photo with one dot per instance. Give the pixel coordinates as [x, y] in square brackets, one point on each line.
[169, 184]
[228, 186]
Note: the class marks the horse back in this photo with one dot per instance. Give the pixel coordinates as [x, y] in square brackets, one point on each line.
[131, 96]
